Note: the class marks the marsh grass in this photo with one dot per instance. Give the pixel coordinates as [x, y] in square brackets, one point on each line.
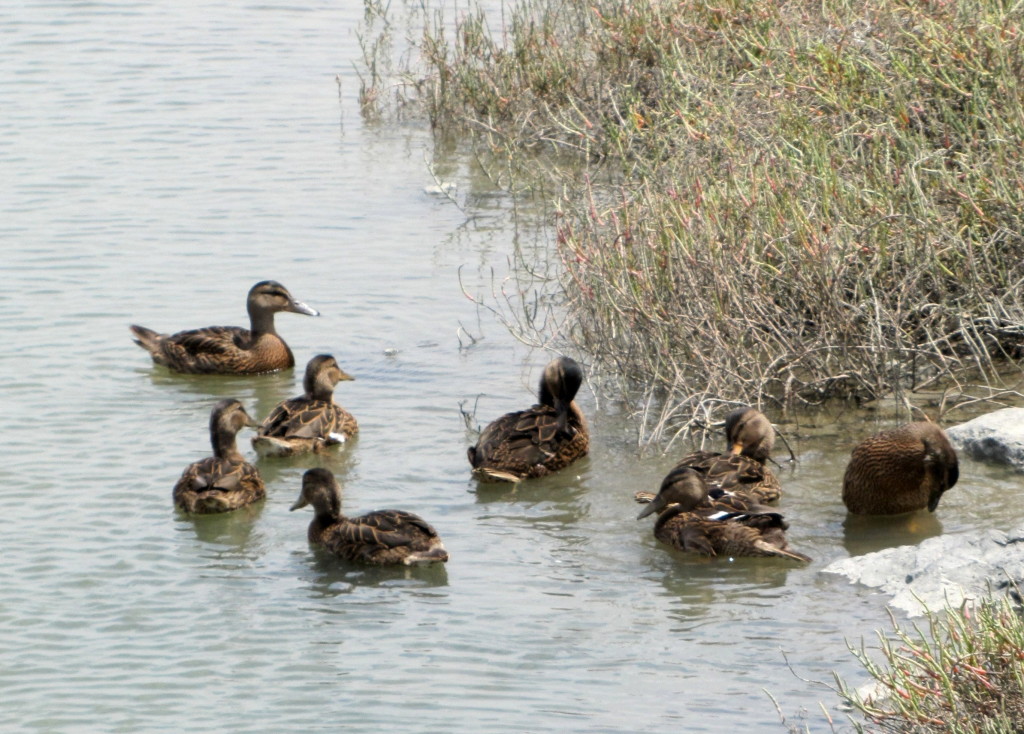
[961, 672]
[773, 203]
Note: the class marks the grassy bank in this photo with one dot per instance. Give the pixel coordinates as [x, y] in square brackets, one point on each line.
[760, 202]
[962, 672]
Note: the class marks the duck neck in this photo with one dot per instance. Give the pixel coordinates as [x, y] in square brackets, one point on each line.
[319, 390]
[261, 321]
[321, 521]
[224, 446]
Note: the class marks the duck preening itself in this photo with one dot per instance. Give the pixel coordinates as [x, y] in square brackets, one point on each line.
[741, 469]
[539, 440]
[900, 470]
[689, 521]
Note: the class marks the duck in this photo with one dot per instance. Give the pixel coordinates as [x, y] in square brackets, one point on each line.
[229, 350]
[540, 440]
[224, 481]
[714, 498]
[380, 538]
[741, 470]
[689, 521]
[312, 421]
[903, 469]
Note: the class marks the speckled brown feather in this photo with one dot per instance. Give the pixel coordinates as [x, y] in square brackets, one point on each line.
[741, 470]
[900, 470]
[383, 537]
[755, 536]
[734, 473]
[312, 421]
[542, 439]
[689, 520]
[229, 349]
[224, 481]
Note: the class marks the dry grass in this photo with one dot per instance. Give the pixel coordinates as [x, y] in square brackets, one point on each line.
[773, 203]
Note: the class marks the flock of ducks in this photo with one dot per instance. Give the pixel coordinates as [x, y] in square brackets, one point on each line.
[710, 503]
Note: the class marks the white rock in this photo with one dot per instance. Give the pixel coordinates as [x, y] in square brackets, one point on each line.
[997, 437]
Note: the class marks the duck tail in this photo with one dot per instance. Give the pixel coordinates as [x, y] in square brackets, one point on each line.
[487, 474]
[145, 338]
[271, 446]
[774, 550]
[434, 554]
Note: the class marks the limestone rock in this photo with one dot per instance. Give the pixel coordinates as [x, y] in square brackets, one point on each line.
[996, 437]
[944, 570]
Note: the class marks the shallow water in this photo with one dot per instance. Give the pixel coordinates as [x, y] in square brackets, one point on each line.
[158, 161]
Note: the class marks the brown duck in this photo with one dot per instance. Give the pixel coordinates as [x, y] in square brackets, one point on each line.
[900, 470]
[312, 421]
[741, 470]
[224, 481]
[230, 350]
[539, 440]
[384, 537]
[688, 521]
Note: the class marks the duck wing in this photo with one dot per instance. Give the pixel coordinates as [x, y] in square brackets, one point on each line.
[734, 473]
[526, 437]
[381, 536]
[203, 350]
[302, 418]
[212, 473]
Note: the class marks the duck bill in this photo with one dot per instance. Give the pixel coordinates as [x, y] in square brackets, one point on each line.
[300, 307]
[299, 503]
[343, 375]
[656, 505]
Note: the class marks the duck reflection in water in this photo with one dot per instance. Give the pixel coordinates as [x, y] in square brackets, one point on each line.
[869, 533]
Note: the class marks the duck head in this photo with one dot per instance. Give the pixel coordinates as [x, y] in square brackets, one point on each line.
[322, 375]
[560, 382]
[750, 433]
[321, 490]
[226, 420]
[685, 489]
[269, 297]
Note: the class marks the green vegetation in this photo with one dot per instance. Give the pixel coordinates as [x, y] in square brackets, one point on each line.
[772, 203]
[964, 674]
[762, 202]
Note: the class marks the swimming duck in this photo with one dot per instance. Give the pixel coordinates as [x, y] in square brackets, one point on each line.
[384, 537]
[311, 421]
[230, 350]
[750, 437]
[224, 481]
[688, 521]
[539, 440]
[900, 470]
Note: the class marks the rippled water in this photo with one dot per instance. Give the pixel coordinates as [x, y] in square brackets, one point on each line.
[157, 160]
